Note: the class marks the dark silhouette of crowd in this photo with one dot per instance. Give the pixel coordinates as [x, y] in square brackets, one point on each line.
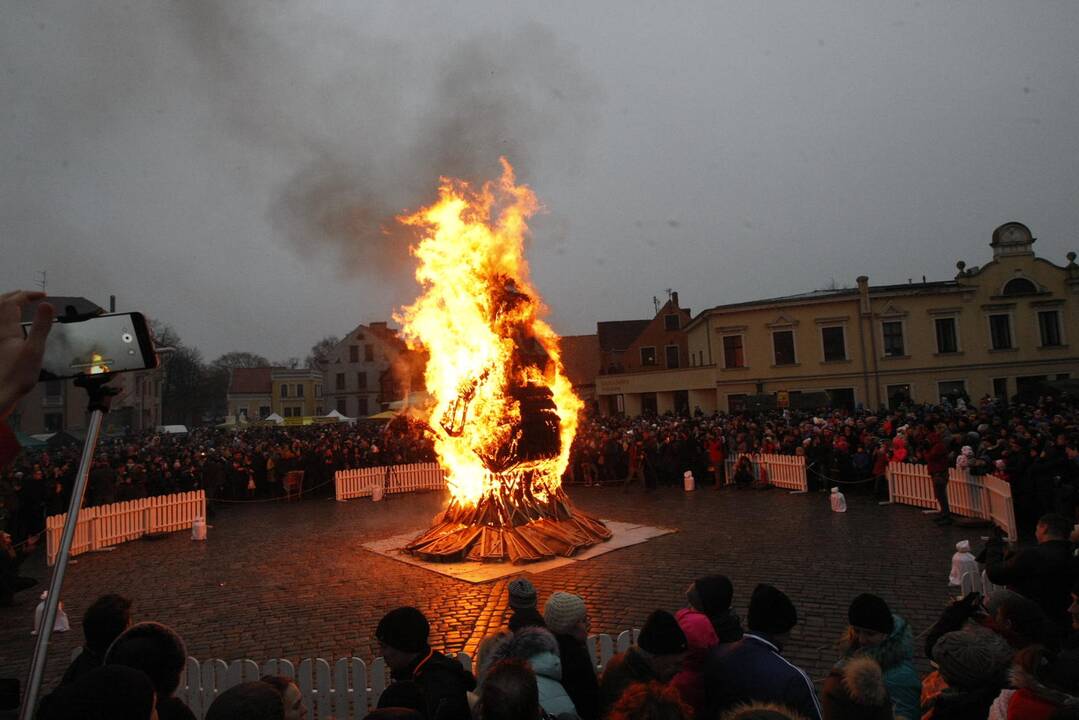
[1013, 655]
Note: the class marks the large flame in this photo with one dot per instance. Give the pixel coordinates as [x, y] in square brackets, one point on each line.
[477, 317]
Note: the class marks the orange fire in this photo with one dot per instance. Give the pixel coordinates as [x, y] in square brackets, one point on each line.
[479, 318]
[97, 364]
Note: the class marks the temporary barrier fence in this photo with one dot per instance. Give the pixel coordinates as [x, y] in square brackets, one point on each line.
[393, 479]
[986, 497]
[346, 689]
[107, 525]
[783, 471]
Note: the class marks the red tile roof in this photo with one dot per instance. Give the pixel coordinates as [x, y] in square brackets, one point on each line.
[250, 381]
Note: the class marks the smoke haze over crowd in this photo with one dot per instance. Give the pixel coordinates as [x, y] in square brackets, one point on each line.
[234, 168]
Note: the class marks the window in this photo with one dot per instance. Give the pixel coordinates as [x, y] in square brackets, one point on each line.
[672, 356]
[672, 322]
[700, 357]
[947, 341]
[648, 356]
[54, 422]
[1019, 286]
[736, 403]
[361, 380]
[841, 398]
[898, 395]
[952, 390]
[242, 414]
[299, 390]
[264, 410]
[318, 390]
[363, 407]
[339, 381]
[353, 353]
[783, 345]
[318, 410]
[1000, 332]
[342, 406]
[1000, 388]
[54, 388]
[733, 353]
[1049, 327]
[284, 390]
[368, 353]
[892, 332]
[835, 345]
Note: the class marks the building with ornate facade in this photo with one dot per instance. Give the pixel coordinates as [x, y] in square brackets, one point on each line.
[993, 330]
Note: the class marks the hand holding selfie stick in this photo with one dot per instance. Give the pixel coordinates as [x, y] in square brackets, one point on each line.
[100, 395]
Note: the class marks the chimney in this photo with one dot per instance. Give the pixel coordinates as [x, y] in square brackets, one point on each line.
[112, 303]
[863, 293]
[674, 298]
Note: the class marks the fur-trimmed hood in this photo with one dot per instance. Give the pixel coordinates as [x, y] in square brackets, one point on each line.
[864, 681]
[535, 645]
[1023, 680]
[758, 709]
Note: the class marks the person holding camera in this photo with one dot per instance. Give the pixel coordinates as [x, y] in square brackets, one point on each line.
[20, 358]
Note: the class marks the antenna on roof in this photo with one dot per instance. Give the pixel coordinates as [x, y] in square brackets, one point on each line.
[655, 302]
[42, 280]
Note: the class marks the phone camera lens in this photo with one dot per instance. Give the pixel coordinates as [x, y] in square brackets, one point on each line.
[126, 337]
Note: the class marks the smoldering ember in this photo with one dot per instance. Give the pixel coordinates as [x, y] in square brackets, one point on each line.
[461, 363]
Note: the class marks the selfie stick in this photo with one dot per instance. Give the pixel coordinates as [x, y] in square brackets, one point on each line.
[100, 396]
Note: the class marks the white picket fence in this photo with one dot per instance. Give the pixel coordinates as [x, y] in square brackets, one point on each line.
[107, 525]
[979, 496]
[346, 690]
[395, 479]
[782, 471]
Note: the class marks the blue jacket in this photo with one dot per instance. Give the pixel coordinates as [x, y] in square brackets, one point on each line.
[753, 670]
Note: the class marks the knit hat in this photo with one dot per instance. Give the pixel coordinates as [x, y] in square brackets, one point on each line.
[404, 628]
[522, 594]
[771, 611]
[715, 593]
[872, 613]
[661, 635]
[971, 657]
[563, 611]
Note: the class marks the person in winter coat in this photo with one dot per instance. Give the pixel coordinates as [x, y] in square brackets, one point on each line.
[1037, 691]
[761, 711]
[567, 617]
[973, 663]
[936, 460]
[402, 637]
[159, 652]
[700, 639]
[855, 690]
[522, 599]
[753, 669]
[1044, 573]
[651, 701]
[712, 595]
[877, 633]
[657, 657]
[537, 647]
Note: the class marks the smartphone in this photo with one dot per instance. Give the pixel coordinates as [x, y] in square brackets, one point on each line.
[102, 344]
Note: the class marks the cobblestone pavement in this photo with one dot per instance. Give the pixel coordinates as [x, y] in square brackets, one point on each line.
[290, 580]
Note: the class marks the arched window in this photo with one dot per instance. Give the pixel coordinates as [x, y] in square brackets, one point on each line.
[1019, 286]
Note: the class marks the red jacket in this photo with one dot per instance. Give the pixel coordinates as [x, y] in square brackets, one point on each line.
[936, 457]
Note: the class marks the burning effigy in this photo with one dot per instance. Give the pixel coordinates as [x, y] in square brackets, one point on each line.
[504, 414]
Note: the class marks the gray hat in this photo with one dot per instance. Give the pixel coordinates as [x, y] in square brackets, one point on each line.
[522, 594]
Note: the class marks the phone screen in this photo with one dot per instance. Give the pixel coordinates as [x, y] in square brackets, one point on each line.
[102, 344]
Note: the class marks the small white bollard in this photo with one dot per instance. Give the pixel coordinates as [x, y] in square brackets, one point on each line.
[963, 561]
[376, 493]
[61, 624]
[687, 480]
[198, 528]
[839, 502]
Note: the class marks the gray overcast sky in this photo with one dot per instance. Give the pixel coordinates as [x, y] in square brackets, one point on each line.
[229, 166]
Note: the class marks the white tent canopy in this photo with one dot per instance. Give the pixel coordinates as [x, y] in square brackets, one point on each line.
[340, 418]
[274, 418]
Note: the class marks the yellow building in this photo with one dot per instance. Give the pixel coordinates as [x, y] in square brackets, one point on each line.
[296, 393]
[993, 330]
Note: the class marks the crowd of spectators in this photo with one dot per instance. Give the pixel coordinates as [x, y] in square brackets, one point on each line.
[1033, 447]
[1011, 656]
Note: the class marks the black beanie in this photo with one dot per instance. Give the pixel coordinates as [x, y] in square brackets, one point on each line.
[404, 629]
[872, 613]
[661, 635]
[715, 593]
[771, 611]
